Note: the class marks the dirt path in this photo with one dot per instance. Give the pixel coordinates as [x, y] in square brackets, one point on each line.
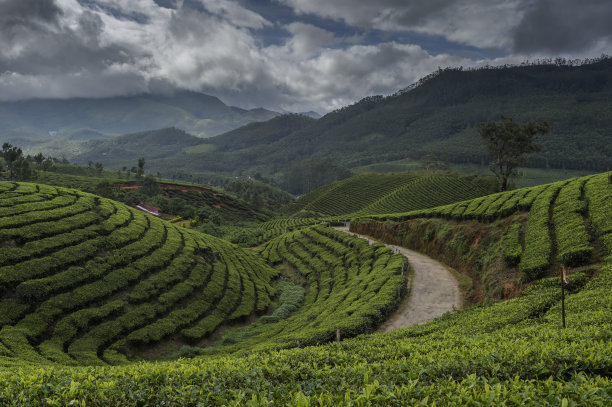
[433, 291]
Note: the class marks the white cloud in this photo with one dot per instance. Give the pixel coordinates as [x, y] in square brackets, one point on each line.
[337, 77]
[215, 49]
[307, 39]
[235, 13]
[480, 23]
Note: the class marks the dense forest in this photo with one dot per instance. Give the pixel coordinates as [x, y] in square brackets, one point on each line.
[437, 116]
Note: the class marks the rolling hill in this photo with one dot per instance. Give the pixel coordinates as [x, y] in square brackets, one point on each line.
[87, 280]
[437, 116]
[512, 351]
[370, 194]
[125, 150]
[174, 198]
[80, 274]
[532, 231]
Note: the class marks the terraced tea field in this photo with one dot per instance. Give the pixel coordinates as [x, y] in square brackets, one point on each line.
[569, 222]
[276, 227]
[351, 286]
[84, 279]
[512, 353]
[388, 193]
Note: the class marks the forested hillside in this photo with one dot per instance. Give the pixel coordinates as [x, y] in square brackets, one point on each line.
[438, 116]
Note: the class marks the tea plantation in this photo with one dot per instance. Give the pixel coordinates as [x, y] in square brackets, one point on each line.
[87, 282]
[513, 353]
[569, 221]
[84, 279]
[389, 193]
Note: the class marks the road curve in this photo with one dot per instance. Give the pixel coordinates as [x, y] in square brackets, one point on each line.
[433, 290]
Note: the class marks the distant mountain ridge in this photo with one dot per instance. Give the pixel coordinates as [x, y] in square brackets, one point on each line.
[82, 118]
[438, 116]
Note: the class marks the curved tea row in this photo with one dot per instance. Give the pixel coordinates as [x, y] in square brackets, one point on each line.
[85, 280]
[567, 221]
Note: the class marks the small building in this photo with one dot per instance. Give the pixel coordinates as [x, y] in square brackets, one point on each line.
[151, 210]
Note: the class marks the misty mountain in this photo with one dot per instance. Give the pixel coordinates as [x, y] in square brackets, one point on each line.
[125, 150]
[84, 119]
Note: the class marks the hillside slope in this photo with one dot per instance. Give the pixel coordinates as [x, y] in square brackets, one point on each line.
[125, 150]
[388, 193]
[512, 352]
[482, 356]
[529, 232]
[439, 116]
[173, 198]
[85, 280]
[32, 122]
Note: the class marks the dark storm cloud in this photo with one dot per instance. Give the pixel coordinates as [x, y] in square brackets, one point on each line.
[410, 14]
[41, 55]
[33, 14]
[564, 26]
[325, 54]
[60, 49]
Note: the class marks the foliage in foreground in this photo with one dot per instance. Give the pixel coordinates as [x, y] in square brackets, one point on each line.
[513, 353]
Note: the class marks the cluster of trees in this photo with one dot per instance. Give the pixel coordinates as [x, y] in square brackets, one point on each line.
[313, 173]
[256, 191]
[98, 167]
[432, 162]
[536, 62]
[20, 167]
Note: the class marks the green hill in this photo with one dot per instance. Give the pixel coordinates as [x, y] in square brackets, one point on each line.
[87, 280]
[532, 231]
[438, 116]
[127, 149]
[172, 197]
[510, 352]
[83, 277]
[38, 124]
[388, 193]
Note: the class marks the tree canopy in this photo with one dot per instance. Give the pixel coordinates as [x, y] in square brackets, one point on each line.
[508, 143]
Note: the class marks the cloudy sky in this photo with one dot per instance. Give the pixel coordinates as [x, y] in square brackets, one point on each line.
[295, 55]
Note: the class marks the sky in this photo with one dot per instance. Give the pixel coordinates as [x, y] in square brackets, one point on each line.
[284, 55]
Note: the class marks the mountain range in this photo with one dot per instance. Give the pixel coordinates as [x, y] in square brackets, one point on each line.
[438, 115]
[38, 120]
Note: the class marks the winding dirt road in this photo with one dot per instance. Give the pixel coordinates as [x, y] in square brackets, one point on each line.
[433, 290]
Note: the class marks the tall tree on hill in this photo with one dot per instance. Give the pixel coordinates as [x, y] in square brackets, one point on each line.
[11, 154]
[141, 163]
[508, 142]
[39, 158]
